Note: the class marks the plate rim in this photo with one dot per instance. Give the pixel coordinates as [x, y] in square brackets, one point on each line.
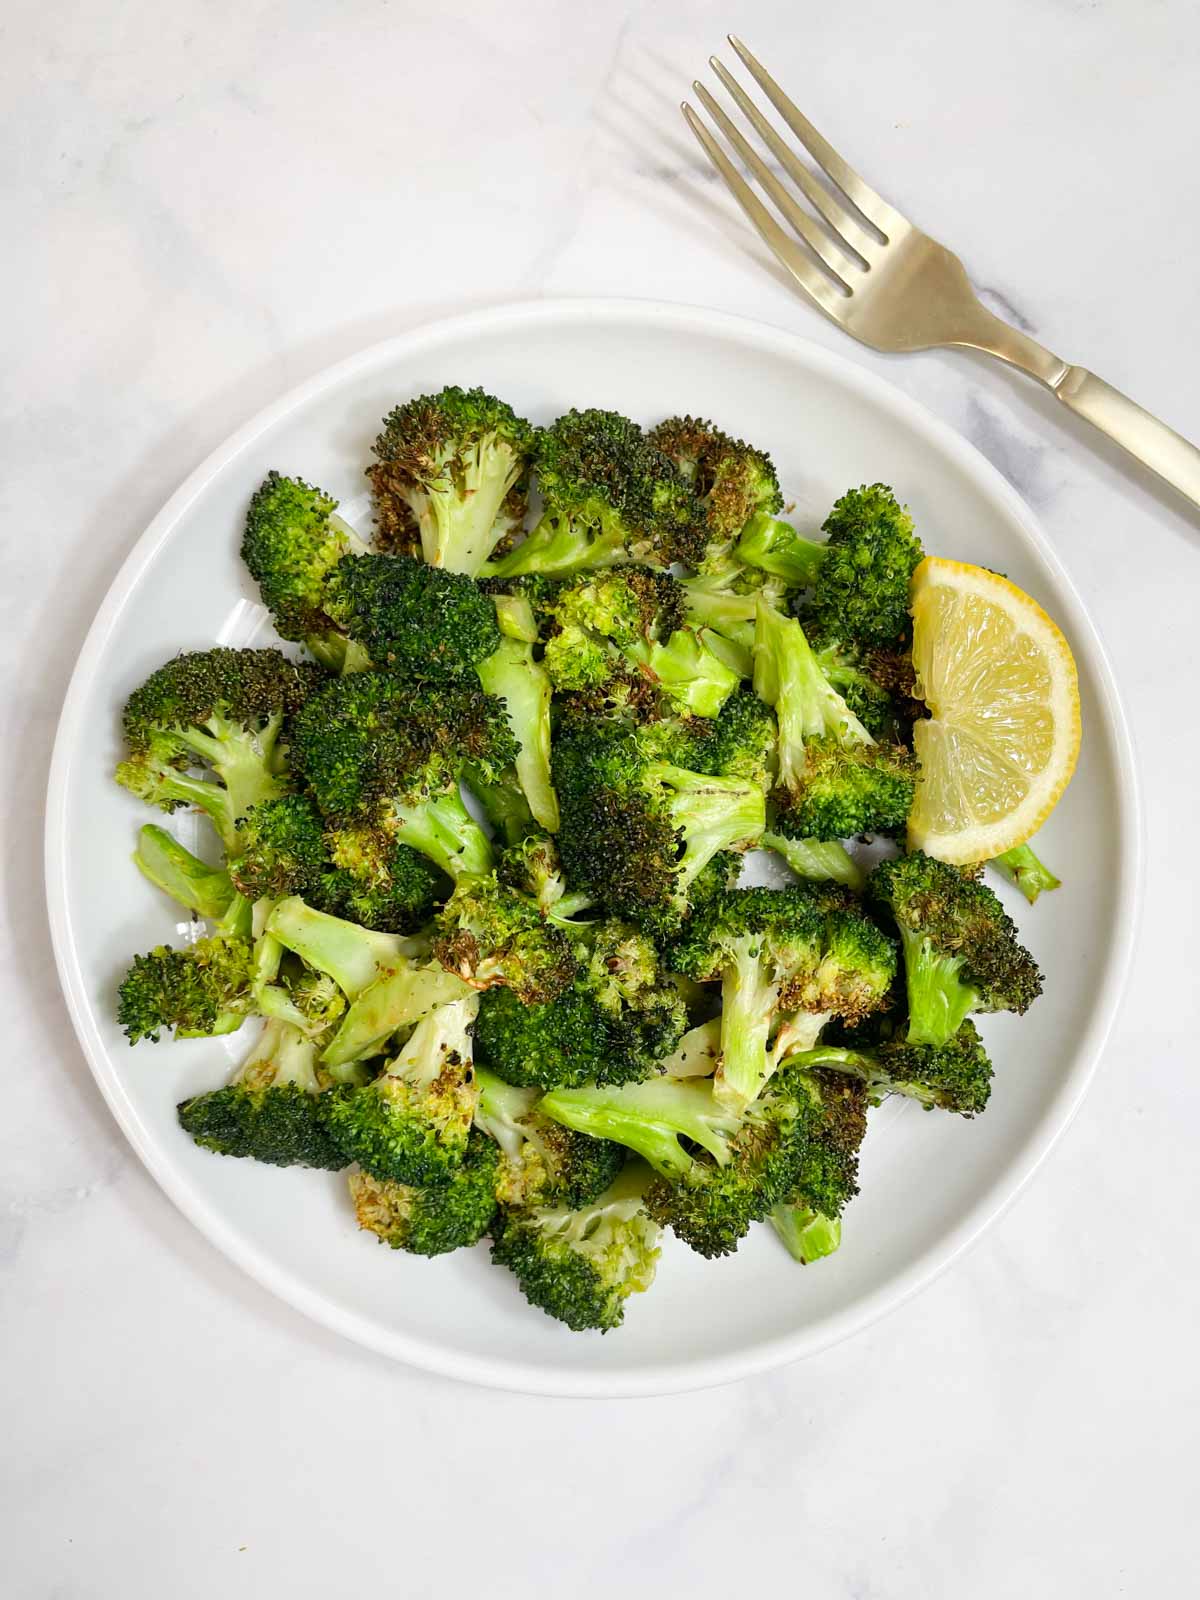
[751, 1359]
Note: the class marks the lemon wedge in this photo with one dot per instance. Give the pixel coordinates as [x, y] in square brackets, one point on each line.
[1002, 737]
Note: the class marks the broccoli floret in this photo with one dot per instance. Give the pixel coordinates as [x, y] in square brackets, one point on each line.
[732, 480]
[722, 607]
[639, 826]
[620, 1017]
[542, 1163]
[379, 751]
[196, 992]
[859, 577]
[453, 466]
[190, 882]
[532, 865]
[222, 710]
[281, 848]
[430, 1221]
[522, 686]
[806, 1234]
[873, 685]
[786, 964]
[1022, 866]
[489, 933]
[270, 1111]
[739, 743]
[961, 952]
[834, 780]
[734, 1168]
[609, 497]
[834, 1123]
[410, 1124]
[580, 1266]
[415, 619]
[386, 977]
[955, 1076]
[293, 541]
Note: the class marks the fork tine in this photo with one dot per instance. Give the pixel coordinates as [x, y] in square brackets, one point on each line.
[872, 206]
[846, 227]
[814, 237]
[810, 277]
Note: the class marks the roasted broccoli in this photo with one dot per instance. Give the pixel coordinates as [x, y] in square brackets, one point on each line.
[436, 1218]
[786, 965]
[961, 952]
[542, 1163]
[416, 620]
[580, 1266]
[197, 991]
[1023, 867]
[294, 540]
[489, 933]
[621, 1015]
[955, 1076]
[190, 882]
[859, 577]
[817, 860]
[410, 1124]
[638, 823]
[806, 1234]
[380, 752]
[271, 1110]
[220, 710]
[732, 480]
[609, 497]
[834, 779]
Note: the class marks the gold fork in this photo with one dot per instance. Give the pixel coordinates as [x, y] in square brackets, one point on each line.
[889, 284]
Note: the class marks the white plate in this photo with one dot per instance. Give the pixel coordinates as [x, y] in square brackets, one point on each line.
[930, 1182]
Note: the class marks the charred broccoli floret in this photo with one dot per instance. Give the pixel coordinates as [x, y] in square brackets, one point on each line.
[786, 965]
[414, 619]
[961, 952]
[222, 711]
[270, 1111]
[410, 1124]
[609, 497]
[581, 1266]
[197, 991]
[955, 1076]
[859, 576]
[489, 933]
[450, 477]
[732, 480]
[542, 1163]
[294, 540]
[436, 1218]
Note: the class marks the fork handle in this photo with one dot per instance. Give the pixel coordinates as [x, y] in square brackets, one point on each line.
[1154, 444]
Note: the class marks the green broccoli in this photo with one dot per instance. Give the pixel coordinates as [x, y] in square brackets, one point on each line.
[294, 541]
[1021, 866]
[270, 1110]
[609, 497]
[817, 860]
[410, 1124]
[532, 865]
[834, 1121]
[722, 606]
[490, 933]
[620, 1017]
[222, 710]
[806, 1234]
[955, 1076]
[581, 1265]
[834, 780]
[785, 965]
[381, 752]
[198, 991]
[451, 468]
[542, 1163]
[430, 1221]
[416, 620]
[522, 685]
[879, 686]
[961, 953]
[192, 883]
[859, 577]
[387, 978]
[639, 824]
[732, 480]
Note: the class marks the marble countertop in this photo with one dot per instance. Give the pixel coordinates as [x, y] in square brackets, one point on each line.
[208, 202]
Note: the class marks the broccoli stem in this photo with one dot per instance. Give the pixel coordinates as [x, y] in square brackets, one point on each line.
[712, 814]
[353, 957]
[748, 1001]
[819, 860]
[282, 1054]
[650, 1118]
[788, 676]
[245, 762]
[938, 1001]
[501, 1109]
[457, 515]
[697, 1053]
[237, 919]
[688, 671]
[557, 544]
[503, 802]
[774, 546]
[338, 654]
[1021, 866]
[398, 999]
[190, 882]
[442, 828]
[523, 684]
[806, 1234]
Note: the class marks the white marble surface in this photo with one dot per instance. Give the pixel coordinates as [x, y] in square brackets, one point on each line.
[207, 201]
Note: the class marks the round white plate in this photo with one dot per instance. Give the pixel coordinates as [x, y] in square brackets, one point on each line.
[930, 1182]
